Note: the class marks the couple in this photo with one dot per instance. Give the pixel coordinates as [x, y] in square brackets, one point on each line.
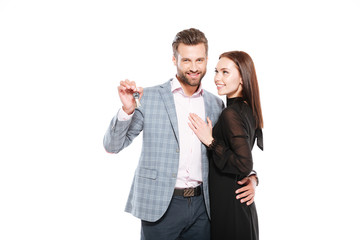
[186, 166]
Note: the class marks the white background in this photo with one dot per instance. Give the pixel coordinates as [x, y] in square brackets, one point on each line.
[60, 64]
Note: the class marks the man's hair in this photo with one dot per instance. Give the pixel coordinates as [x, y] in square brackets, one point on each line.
[190, 36]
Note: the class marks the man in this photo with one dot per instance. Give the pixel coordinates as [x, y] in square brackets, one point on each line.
[170, 187]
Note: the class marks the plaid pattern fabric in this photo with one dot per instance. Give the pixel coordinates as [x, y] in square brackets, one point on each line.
[155, 176]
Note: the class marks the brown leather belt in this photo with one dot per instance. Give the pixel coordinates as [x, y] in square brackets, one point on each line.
[187, 192]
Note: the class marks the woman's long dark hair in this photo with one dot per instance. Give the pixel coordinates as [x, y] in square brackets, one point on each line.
[250, 91]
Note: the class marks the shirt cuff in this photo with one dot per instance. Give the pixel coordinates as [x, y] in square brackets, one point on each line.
[253, 172]
[123, 116]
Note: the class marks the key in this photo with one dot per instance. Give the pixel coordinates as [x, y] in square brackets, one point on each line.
[136, 95]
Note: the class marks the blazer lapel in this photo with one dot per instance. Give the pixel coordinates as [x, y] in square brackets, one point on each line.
[208, 107]
[168, 99]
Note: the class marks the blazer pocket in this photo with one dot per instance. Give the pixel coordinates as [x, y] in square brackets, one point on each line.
[147, 173]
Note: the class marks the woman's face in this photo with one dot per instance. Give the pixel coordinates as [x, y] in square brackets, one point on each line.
[227, 78]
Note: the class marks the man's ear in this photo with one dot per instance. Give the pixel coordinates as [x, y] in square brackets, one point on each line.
[174, 60]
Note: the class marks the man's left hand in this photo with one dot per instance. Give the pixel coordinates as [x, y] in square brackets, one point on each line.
[247, 192]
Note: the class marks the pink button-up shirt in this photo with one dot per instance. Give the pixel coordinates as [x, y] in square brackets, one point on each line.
[189, 172]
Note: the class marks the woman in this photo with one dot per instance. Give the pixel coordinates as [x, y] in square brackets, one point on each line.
[230, 144]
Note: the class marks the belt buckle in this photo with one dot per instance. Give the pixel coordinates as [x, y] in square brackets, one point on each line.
[189, 192]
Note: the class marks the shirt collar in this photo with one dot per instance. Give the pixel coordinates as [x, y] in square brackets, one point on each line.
[176, 87]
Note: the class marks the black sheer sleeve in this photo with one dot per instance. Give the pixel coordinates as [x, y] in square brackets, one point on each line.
[231, 151]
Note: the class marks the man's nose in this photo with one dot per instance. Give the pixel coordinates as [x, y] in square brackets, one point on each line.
[193, 67]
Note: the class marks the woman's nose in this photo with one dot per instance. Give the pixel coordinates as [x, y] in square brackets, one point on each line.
[217, 77]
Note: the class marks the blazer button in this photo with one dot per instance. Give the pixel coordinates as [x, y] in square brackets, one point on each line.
[177, 150]
[174, 175]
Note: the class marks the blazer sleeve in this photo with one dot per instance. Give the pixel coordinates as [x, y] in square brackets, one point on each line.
[232, 153]
[121, 133]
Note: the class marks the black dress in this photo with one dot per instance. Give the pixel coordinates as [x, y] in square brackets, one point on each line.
[231, 160]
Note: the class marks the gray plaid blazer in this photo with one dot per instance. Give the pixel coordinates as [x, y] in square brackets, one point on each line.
[156, 173]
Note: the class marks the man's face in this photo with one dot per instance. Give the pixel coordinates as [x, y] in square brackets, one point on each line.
[191, 63]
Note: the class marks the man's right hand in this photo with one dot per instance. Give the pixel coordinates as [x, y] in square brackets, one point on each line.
[126, 90]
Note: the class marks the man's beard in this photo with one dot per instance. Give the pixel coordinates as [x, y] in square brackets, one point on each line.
[183, 78]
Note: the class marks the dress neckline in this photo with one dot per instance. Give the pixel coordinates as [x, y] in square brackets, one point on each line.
[231, 101]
